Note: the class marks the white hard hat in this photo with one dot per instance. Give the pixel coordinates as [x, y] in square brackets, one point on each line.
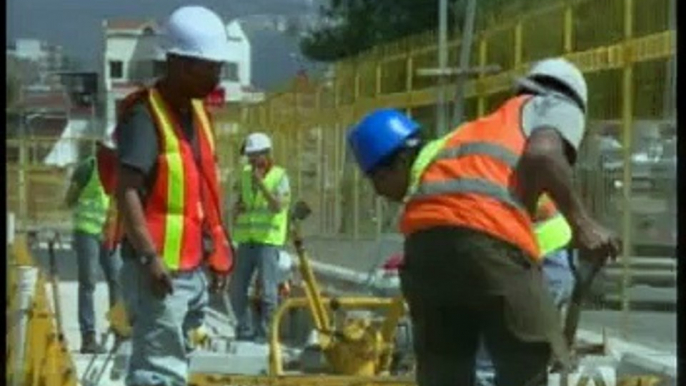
[196, 32]
[564, 72]
[257, 142]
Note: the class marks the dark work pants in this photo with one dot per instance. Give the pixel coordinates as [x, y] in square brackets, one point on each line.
[461, 284]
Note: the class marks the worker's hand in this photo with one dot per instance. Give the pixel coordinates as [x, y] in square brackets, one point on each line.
[160, 279]
[257, 177]
[597, 242]
[218, 282]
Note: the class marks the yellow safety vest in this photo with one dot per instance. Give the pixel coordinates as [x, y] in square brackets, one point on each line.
[258, 223]
[552, 233]
[91, 208]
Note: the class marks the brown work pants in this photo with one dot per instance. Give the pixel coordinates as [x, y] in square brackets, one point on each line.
[460, 285]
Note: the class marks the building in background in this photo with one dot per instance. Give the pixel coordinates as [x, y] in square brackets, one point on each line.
[132, 57]
[39, 61]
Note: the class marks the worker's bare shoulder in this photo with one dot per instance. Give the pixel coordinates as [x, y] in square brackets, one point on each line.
[557, 112]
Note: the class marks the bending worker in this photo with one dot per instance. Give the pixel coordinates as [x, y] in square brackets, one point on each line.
[471, 258]
[89, 196]
[260, 230]
[169, 200]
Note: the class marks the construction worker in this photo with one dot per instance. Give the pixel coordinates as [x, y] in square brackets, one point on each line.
[260, 230]
[471, 259]
[88, 198]
[169, 200]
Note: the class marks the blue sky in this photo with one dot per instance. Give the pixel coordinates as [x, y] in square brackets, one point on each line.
[76, 25]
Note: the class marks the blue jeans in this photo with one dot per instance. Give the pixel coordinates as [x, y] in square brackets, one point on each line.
[89, 250]
[161, 326]
[560, 282]
[263, 259]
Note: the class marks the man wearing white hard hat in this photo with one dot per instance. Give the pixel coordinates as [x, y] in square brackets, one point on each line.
[260, 229]
[168, 199]
[89, 196]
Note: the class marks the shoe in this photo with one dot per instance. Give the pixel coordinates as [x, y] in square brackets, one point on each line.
[89, 345]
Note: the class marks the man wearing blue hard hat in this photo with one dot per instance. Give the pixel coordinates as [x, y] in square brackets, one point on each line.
[472, 258]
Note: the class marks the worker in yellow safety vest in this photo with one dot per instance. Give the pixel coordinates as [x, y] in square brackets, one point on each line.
[260, 229]
[89, 196]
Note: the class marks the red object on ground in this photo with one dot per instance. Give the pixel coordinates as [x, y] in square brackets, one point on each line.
[394, 263]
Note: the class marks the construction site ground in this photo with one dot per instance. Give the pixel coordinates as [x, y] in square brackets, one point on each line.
[650, 332]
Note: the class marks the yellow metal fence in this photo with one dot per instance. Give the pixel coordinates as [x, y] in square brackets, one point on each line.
[625, 48]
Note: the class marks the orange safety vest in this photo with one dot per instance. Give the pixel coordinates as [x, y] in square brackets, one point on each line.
[185, 197]
[471, 182]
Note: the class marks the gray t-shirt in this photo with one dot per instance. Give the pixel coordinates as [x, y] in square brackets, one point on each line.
[555, 111]
[138, 143]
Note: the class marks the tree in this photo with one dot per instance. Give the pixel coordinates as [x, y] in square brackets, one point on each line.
[349, 27]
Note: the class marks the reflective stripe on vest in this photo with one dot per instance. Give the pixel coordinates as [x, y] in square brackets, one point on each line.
[467, 179]
[184, 197]
[552, 229]
[258, 223]
[91, 208]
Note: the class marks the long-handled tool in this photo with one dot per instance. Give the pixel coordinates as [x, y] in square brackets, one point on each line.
[581, 289]
[54, 282]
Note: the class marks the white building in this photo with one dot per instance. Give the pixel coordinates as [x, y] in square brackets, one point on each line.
[132, 56]
[46, 57]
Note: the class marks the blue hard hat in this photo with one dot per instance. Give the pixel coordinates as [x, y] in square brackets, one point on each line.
[378, 135]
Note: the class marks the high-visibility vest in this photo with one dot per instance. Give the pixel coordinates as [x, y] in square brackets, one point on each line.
[258, 223]
[552, 230]
[185, 198]
[467, 179]
[90, 212]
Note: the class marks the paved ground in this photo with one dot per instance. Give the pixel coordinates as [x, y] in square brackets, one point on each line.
[654, 329]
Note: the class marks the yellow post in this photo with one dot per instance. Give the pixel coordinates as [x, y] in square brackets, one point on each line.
[568, 32]
[409, 75]
[627, 123]
[356, 175]
[338, 165]
[518, 44]
[483, 56]
[299, 139]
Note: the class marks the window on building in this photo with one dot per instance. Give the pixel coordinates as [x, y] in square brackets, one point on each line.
[230, 72]
[116, 69]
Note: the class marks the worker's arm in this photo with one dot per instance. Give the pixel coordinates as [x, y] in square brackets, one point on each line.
[78, 182]
[138, 148]
[555, 129]
[131, 183]
[545, 168]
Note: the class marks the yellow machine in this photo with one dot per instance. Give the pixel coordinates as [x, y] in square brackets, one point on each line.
[353, 346]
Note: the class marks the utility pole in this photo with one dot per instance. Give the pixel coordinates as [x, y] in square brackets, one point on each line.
[465, 51]
[441, 121]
